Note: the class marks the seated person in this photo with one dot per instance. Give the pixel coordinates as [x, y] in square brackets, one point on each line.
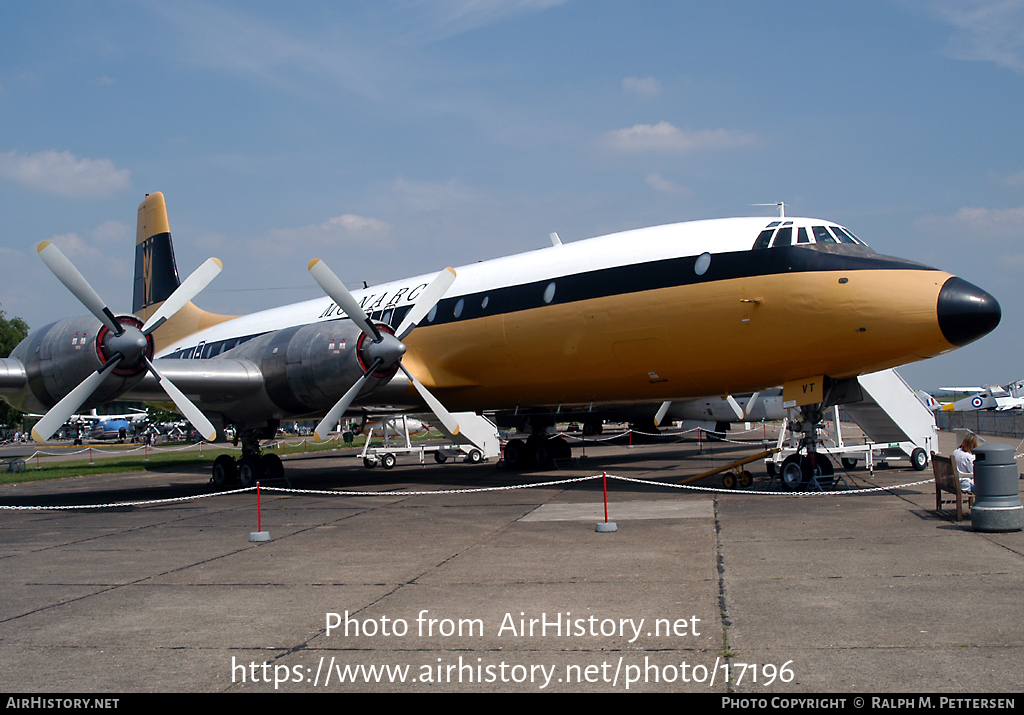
[963, 457]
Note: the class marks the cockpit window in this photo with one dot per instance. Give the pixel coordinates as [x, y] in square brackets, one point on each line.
[784, 237]
[801, 235]
[773, 224]
[844, 235]
[821, 235]
[763, 239]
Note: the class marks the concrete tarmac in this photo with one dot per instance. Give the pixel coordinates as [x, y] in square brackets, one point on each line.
[506, 590]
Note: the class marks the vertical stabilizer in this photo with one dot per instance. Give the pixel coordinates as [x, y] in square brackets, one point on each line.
[156, 276]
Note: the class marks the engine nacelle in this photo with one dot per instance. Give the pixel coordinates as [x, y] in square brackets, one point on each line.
[59, 356]
[305, 369]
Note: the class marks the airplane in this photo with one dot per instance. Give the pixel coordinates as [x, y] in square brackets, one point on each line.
[664, 313]
[989, 397]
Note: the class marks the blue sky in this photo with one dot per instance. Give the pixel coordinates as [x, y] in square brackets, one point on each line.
[397, 138]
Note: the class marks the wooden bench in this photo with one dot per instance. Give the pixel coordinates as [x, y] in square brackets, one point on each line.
[947, 479]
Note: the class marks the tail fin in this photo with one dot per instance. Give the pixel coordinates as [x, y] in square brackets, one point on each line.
[156, 276]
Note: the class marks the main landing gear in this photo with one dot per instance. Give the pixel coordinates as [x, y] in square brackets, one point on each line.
[539, 450]
[252, 466]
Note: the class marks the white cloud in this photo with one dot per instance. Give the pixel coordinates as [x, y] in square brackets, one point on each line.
[74, 246]
[665, 137]
[64, 174]
[114, 232]
[643, 88]
[976, 222]
[659, 183]
[988, 30]
[348, 228]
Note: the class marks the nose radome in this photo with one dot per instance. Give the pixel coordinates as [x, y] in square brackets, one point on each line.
[966, 312]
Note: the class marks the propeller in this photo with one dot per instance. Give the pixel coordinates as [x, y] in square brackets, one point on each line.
[386, 350]
[662, 411]
[128, 347]
[750, 404]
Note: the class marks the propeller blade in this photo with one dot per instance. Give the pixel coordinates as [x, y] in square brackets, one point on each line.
[428, 299]
[188, 290]
[62, 411]
[731, 401]
[339, 294]
[184, 405]
[331, 419]
[446, 417]
[662, 411]
[67, 274]
[751, 402]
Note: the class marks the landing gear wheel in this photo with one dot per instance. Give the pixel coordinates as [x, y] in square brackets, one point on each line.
[440, 458]
[388, 460]
[849, 462]
[224, 471]
[541, 453]
[250, 471]
[729, 480]
[273, 466]
[919, 459]
[745, 479]
[369, 463]
[560, 448]
[792, 473]
[823, 466]
[474, 456]
[515, 454]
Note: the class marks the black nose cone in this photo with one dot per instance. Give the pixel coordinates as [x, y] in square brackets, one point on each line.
[966, 312]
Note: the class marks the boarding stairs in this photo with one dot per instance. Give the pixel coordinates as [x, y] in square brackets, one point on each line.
[475, 430]
[892, 414]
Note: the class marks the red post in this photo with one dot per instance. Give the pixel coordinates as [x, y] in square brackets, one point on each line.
[259, 523]
[604, 479]
[90, 456]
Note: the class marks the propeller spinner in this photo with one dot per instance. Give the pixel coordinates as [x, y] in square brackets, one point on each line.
[379, 347]
[128, 349]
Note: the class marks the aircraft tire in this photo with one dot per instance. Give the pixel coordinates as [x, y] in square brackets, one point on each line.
[792, 473]
[273, 466]
[515, 454]
[541, 453]
[225, 471]
[919, 459]
[560, 448]
[250, 471]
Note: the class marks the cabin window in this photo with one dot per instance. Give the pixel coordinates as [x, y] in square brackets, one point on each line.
[763, 239]
[459, 306]
[485, 301]
[700, 267]
[549, 292]
[432, 314]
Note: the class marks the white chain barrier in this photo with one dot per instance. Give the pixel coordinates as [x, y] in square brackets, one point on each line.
[477, 490]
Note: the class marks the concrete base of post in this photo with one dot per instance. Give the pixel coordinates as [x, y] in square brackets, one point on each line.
[259, 536]
[606, 526]
[997, 519]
